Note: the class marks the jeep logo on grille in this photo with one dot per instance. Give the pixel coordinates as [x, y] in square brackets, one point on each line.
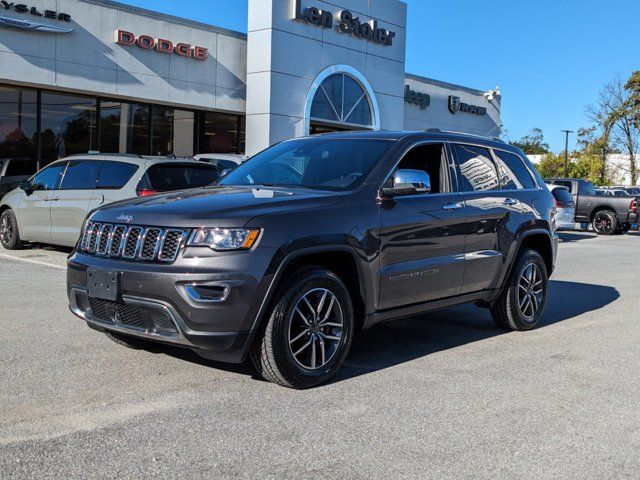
[123, 217]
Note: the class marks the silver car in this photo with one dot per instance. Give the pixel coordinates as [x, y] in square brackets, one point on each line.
[565, 207]
[51, 206]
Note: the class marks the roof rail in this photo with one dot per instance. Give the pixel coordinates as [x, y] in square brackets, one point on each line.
[437, 130]
[102, 154]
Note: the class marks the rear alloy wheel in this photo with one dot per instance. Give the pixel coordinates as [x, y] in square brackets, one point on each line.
[9, 235]
[605, 222]
[308, 333]
[521, 304]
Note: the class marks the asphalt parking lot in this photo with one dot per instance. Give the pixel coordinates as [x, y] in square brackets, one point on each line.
[447, 395]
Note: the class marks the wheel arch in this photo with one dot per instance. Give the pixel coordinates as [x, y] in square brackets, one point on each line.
[341, 259]
[537, 239]
[600, 208]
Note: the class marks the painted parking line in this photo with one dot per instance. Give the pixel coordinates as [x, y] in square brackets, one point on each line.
[29, 260]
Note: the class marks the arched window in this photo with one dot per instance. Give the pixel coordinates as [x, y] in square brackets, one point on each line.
[341, 99]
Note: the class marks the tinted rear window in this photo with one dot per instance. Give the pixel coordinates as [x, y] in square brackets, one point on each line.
[20, 168]
[478, 170]
[166, 177]
[562, 195]
[514, 175]
[586, 188]
[115, 175]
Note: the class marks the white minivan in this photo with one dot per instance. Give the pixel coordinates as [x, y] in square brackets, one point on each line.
[51, 206]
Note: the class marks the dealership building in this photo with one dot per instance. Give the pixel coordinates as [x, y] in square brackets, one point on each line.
[96, 75]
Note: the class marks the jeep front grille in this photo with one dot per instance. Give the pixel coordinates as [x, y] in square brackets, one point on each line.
[132, 242]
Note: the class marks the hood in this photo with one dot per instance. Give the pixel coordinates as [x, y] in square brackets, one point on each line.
[234, 206]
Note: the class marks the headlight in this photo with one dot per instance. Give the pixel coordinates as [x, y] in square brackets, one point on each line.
[224, 238]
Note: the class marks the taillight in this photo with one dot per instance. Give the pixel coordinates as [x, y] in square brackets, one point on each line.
[559, 204]
[633, 206]
[145, 192]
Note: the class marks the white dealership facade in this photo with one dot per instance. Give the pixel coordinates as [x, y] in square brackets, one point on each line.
[96, 75]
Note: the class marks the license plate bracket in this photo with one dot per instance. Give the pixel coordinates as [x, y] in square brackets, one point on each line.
[103, 284]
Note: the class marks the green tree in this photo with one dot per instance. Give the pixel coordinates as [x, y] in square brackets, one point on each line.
[551, 166]
[533, 143]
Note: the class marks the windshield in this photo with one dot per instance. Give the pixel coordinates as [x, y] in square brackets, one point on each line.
[320, 163]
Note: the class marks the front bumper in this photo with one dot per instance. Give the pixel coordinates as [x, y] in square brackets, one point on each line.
[156, 305]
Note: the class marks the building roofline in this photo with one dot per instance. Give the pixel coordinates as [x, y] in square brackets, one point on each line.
[170, 18]
[440, 83]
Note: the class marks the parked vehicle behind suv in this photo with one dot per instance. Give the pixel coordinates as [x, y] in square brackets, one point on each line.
[292, 252]
[51, 206]
[13, 171]
[565, 207]
[608, 214]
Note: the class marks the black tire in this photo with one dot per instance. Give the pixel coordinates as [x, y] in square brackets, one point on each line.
[508, 311]
[131, 342]
[273, 354]
[605, 222]
[9, 234]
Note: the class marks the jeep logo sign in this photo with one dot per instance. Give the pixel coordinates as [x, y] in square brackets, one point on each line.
[423, 100]
[161, 45]
[348, 24]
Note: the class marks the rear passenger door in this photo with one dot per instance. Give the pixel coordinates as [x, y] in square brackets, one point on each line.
[493, 207]
[112, 180]
[70, 203]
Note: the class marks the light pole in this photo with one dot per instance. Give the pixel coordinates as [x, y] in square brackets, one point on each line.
[566, 151]
[603, 175]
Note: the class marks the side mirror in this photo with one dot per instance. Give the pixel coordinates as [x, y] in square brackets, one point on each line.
[408, 182]
[26, 186]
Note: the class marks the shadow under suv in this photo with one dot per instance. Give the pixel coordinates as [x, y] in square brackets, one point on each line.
[287, 256]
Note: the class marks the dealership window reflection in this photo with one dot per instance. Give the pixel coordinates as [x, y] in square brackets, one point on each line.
[68, 125]
[124, 127]
[18, 122]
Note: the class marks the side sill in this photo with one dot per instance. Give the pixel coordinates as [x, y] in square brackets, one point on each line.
[403, 312]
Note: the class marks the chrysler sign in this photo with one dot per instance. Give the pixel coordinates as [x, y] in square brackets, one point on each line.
[31, 24]
[161, 45]
[348, 23]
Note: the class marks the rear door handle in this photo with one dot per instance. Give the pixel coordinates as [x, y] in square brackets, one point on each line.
[452, 206]
[53, 199]
[510, 201]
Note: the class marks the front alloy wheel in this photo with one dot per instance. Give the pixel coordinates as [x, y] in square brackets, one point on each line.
[9, 235]
[308, 330]
[315, 329]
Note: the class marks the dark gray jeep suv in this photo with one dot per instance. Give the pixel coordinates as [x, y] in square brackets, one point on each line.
[287, 256]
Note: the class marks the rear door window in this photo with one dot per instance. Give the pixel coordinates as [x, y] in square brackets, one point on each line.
[586, 188]
[115, 175]
[81, 175]
[478, 171]
[20, 168]
[164, 177]
[514, 175]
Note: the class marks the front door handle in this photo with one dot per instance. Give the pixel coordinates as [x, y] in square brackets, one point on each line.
[510, 201]
[452, 206]
[53, 199]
